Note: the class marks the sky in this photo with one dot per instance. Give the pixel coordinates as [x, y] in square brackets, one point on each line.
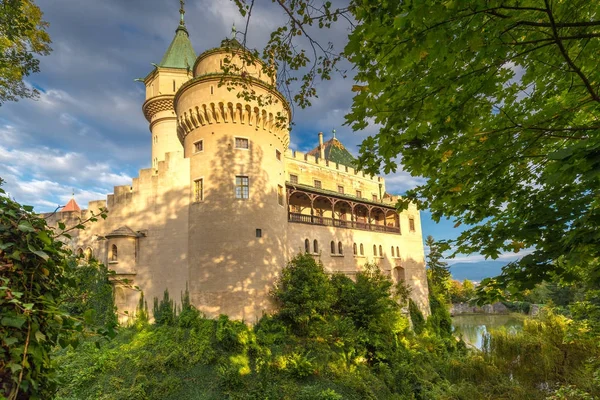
[86, 133]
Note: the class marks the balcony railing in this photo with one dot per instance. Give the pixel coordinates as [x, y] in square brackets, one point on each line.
[340, 223]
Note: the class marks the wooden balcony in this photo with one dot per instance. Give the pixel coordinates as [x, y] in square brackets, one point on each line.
[340, 223]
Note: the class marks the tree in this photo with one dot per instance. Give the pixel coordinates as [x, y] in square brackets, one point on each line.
[303, 293]
[22, 36]
[437, 270]
[496, 104]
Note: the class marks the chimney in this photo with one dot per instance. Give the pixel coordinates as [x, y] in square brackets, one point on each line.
[321, 148]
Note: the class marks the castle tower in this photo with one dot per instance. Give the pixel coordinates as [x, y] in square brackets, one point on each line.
[237, 217]
[174, 69]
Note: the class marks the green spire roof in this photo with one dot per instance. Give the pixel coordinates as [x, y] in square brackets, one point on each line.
[180, 53]
[335, 152]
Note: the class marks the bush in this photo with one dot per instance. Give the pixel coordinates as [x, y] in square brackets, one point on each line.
[416, 317]
[303, 293]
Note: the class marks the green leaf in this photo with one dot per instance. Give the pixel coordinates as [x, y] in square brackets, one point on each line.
[39, 253]
[13, 322]
[25, 226]
[43, 236]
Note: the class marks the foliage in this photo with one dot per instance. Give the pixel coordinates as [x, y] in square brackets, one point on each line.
[36, 276]
[352, 351]
[22, 36]
[89, 292]
[438, 274]
[461, 292]
[416, 316]
[303, 293]
[164, 311]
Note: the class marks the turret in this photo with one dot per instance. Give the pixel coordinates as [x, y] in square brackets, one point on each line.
[236, 150]
[162, 83]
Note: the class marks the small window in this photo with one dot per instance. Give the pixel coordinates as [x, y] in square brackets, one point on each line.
[199, 190]
[340, 249]
[332, 247]
[212, 89]
[380, 251]
[280, 195]
[242, 187]
[242, 143]
[411, 224]
[374, 197]
[393, 251]
[354, 249]
[114, 253]
[278, 154]
[362, 250]
[80, 253]
[317, 184]
[173, 85]
[375, 250]
[397, 252]
[258, 233]
[294, 179]
[307, 246]
[340, 189]
[88, 253]
[315, 246]
[359, 194]
[198, 146]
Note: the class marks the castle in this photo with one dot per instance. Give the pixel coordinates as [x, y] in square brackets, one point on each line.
[226, 204]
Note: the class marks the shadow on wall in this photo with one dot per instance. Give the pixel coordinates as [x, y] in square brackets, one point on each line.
[237, 240]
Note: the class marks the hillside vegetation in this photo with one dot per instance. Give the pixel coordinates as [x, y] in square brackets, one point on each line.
[332, 338]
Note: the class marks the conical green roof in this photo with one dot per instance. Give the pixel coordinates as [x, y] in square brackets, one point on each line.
[335, 152]
[180, 53]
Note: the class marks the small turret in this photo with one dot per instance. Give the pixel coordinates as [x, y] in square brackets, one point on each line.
[174, 69]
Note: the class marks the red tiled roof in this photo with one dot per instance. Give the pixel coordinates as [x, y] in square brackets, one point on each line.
[71, 206]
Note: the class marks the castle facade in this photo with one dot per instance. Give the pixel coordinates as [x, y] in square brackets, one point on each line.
[226, 204]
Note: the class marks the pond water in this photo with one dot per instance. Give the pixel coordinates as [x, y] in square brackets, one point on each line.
[473, 327]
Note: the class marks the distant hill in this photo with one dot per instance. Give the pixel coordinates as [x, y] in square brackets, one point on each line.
[476, 271]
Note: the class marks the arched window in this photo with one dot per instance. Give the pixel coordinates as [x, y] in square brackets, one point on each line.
[397, 252]
[88, 254]
[79, 252]
[362, 250]
[393, 251]
[173, 85]
[375, 250]
[306, 246]
[354, 248]
[332, 247]
[380, 251]
[212, 89]
[315, 246]
[114, 255]
[340, 249]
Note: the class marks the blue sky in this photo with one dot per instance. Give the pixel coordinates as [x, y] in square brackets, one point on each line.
[86, 132]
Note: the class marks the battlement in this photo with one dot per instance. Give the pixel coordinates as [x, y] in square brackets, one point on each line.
[309, 159]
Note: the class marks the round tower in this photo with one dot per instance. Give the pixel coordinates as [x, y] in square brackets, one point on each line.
[174, 70]
[238, 218]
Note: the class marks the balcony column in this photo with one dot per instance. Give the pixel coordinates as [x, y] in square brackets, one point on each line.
[352, 214]
[333, 201]
[312, 209]
[369, 208]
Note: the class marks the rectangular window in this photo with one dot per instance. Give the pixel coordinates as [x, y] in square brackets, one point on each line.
[278, 155]
[280, 195]
[294, 179]
[374, 197]
[411, 224]
[198, 190]
[242, 187]
[317, 184]
[340, 189]
[359, 194]
[258, 232]
[242, 143]
[198, 146]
